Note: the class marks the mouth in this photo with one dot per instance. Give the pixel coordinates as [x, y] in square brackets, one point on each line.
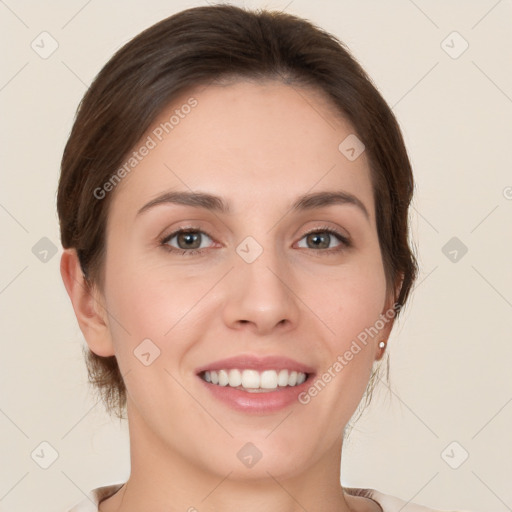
[255, 384]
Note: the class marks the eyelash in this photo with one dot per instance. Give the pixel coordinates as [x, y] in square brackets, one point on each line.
[345, 242]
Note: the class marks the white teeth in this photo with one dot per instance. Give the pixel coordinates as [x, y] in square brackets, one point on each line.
[282, 379]
[252, 379]
[235, 378]
[223, 378]
[268, 380]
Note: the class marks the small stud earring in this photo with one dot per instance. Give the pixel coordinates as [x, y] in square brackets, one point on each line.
[382, 344]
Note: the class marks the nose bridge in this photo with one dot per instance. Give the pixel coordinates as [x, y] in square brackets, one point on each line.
[259, 289]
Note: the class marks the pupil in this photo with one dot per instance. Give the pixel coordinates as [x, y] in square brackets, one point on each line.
[317, 237]
[190, 238]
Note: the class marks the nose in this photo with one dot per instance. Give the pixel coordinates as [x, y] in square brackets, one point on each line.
[260, 295]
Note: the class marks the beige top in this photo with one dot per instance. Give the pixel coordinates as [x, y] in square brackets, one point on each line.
[387, 503]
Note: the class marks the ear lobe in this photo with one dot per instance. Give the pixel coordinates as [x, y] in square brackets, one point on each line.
[87, 304]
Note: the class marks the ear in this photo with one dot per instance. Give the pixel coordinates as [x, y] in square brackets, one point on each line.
[388, 316]
[88, 305]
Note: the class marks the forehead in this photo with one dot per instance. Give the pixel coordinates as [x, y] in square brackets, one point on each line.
[267, 141]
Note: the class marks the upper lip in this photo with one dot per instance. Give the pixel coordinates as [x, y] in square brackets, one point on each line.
[258, 363]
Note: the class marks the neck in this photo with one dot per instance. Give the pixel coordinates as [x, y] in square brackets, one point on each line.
[162, 479]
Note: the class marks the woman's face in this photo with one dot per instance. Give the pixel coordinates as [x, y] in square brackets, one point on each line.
[261, 286]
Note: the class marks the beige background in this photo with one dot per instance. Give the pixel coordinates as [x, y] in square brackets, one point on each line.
[450, 353]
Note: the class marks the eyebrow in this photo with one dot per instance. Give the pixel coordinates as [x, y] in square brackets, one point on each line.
[215, 203]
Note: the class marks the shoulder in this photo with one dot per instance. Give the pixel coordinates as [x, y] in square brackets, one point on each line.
[390, 503]
[94, 497]
[387, 502]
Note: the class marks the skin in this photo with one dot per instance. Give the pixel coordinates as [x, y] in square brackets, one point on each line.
[259, 146]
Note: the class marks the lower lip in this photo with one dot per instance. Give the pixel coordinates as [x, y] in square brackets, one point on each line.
[259, 402]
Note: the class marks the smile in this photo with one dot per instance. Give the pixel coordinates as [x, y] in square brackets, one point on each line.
[254, 383]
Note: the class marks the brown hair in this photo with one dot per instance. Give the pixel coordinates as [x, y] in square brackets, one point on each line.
[195, 47]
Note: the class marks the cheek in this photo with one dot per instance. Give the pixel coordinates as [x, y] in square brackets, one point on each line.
[353, 301]
[351, 306]
[152, 303]
[151, 332]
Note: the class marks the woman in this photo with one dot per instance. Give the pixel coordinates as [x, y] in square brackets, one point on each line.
[233, 205]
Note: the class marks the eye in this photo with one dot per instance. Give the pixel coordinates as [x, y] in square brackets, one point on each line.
[322, 237]
[188, 241]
